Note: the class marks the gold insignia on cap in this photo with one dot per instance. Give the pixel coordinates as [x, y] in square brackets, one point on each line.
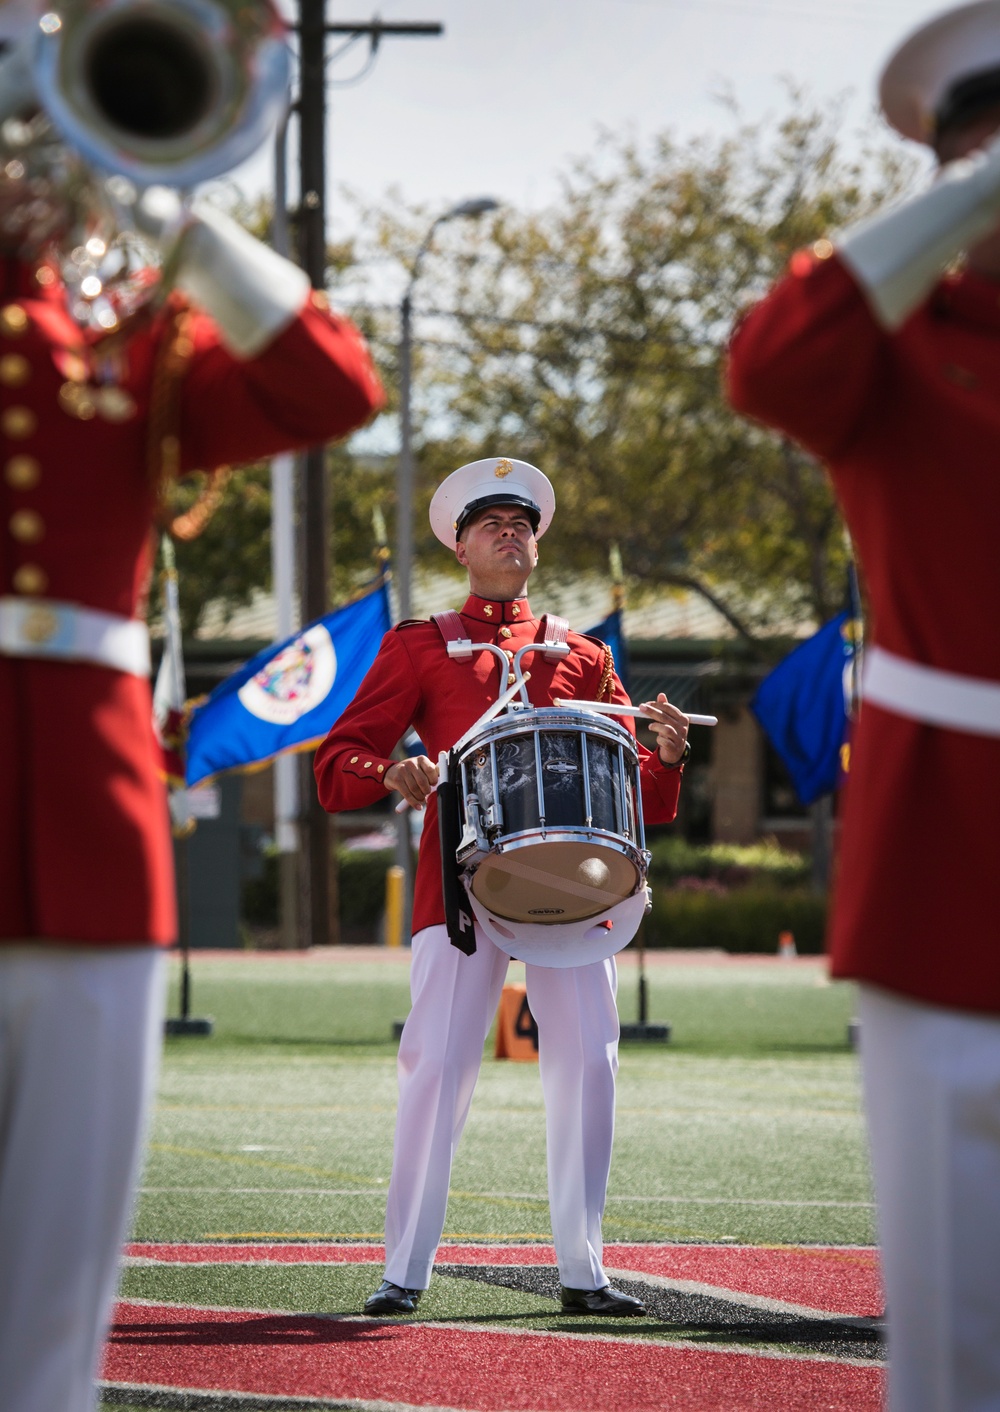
[40, 625]
[504, 468]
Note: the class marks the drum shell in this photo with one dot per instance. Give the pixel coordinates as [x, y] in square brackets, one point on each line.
[551, 796]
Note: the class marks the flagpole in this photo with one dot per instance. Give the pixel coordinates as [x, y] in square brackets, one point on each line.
[174, 691]
[286, 767]
[642, 1030]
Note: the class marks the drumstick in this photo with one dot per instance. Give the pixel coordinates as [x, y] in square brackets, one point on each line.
[612, 708]
[484, 720]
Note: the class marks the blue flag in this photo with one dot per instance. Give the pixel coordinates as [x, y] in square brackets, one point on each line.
[289, 695]
[804, 707]
[610, 632]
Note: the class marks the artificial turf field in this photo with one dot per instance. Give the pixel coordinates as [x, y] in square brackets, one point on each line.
[739, 1207]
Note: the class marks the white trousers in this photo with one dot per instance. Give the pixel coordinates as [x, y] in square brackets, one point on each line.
[454, 1000]
[932, 1089]
[79, 1041]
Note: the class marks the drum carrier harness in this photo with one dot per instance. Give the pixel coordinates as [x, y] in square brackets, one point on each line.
[554, 632]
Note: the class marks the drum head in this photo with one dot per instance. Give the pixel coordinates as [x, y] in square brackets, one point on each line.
[552, 882]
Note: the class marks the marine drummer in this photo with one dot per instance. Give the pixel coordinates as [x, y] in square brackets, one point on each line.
[491, 514]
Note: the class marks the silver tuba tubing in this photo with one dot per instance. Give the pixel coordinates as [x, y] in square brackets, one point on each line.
[166, 92]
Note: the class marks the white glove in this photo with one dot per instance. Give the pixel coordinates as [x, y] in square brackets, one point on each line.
[898, 256]
[252, 293]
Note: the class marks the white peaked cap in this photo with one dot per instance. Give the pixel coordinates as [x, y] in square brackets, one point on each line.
[956, 45]
[495, 481]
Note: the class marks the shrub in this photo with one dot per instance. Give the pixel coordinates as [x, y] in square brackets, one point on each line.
[747, 919]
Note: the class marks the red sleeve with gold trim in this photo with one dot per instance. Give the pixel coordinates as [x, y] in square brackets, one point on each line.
[809, 359]
[315, 382]
[660, 786]
[351, 763]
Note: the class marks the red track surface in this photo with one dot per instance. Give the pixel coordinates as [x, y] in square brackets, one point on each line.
[293, 1355]
[838, 1279]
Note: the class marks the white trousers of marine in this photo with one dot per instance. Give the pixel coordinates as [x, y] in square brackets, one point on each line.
[932, 1089]
[80, 1037]
[454, 1000]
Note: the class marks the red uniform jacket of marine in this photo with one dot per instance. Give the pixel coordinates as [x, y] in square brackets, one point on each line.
[413, 682]
[84, 841]
[909, 426]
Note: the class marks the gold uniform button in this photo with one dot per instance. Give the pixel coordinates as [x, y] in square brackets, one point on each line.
[506, 632]
[508, 654]
[30, 579]
[368, 764]
[22, 472]
[13, 320]
[354, 759]
[15, 370]
[511, 678]
[18, 422]
[381, 768]
[40, 625]
[27, 526]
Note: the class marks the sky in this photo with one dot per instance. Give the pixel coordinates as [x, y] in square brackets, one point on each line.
[515, 89]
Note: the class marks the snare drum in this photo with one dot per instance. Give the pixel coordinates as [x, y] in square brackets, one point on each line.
[551, 824]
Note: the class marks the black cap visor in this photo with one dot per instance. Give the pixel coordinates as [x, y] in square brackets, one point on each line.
[501, 498]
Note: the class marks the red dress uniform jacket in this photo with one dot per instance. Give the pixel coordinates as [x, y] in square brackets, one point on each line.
[84, 841]
[909, 426]
[413, 682]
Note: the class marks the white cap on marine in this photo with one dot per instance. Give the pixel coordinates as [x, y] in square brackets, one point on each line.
[946, 67]
[493, 481]
[943, 77]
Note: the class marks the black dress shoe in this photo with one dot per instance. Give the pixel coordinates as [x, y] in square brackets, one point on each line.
[392, 1299]
[600, 1301]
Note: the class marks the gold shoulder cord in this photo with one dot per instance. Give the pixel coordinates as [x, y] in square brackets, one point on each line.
[163, 446]
[606, 675]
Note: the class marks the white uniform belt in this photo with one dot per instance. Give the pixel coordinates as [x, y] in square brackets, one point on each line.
[41, 627]
[928, 694]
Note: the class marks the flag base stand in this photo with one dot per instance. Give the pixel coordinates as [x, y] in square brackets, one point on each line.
[655, 1034]
[185, 1023]
[643, 1031]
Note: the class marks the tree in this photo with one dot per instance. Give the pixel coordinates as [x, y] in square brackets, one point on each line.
[589, 338]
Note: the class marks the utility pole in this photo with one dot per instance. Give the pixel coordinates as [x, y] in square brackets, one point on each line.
[318, 913]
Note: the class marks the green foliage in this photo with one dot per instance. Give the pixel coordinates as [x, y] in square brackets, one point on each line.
[749, 919]
[730, 864]
[231, 557]
[590, 338]
[735, 899]
[362, 890]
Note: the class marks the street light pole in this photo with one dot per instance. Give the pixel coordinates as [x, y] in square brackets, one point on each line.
[478, 206]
